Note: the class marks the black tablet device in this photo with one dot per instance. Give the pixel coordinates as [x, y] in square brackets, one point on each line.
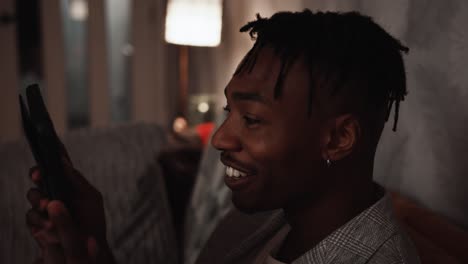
[47, 149]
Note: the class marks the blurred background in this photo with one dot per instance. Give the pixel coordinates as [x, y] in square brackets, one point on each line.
[102, 63]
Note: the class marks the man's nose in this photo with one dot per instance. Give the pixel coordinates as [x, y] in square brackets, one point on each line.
[225, 138]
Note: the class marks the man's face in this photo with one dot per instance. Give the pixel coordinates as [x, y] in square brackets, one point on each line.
[271, 145]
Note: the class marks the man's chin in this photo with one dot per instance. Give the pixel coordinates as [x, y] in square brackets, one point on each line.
[250, 206]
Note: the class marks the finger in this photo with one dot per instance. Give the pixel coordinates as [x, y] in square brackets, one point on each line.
[34, 196]
[46, 237]
[34, 219]
[43, 232]
[43, 205]
[36, 177]
[34, 174]
[72, 244]
[37, 199]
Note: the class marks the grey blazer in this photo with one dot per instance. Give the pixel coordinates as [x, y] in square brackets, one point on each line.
[373, 236]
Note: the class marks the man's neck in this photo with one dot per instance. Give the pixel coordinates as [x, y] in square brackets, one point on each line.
[314, 221]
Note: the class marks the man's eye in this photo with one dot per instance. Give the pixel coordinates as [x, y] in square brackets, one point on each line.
[251, 121]
[226, 112]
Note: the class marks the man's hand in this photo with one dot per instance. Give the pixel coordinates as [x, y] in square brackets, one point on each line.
[61, 237]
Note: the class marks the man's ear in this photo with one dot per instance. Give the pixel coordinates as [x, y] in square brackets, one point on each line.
[340, 138]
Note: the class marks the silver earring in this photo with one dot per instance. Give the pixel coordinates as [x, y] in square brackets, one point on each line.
[328, 162]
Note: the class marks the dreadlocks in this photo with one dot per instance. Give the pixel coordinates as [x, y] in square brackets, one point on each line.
[343, 51]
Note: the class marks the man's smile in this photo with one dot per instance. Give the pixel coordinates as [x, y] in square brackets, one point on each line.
[237, 180]
[237, 176]
[233, 173]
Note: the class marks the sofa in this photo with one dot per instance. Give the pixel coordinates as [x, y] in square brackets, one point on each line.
[122, 162]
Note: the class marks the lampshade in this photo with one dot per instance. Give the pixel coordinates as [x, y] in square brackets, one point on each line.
[194, 22]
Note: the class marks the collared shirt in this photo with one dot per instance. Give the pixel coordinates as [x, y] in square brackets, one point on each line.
[373, 236]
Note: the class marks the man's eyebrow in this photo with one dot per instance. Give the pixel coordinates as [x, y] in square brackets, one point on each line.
[248, 96]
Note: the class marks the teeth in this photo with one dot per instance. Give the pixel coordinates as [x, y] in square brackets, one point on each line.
[233, 173]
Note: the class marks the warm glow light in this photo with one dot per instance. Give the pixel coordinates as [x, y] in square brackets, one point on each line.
[180, 124]
[194, 22]
[203, 107]
[78, 10]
